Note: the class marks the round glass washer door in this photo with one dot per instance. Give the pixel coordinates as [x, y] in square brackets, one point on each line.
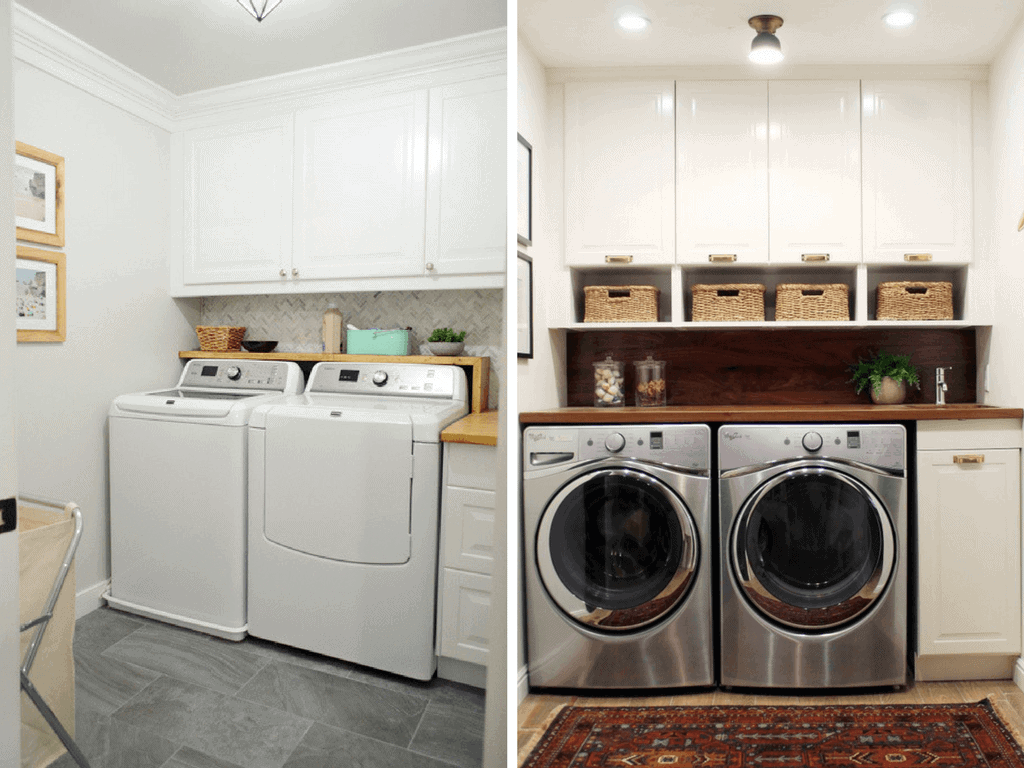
[813, 548]
[617, 550]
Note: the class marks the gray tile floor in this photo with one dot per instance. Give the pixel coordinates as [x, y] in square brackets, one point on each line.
[151, 695]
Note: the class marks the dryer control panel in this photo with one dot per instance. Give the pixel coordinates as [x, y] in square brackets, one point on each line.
[395, 379]
[877, 445]
[680, 445]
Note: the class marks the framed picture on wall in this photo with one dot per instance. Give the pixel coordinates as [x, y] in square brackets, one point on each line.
[524, 310]
[524, 189]
[39, 195]
[40, 287]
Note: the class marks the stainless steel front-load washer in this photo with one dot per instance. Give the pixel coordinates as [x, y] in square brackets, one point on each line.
[617, 551]
[813, 555]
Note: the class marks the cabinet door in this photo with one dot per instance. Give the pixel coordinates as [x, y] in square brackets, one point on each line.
[465, 611]
[469, 529]
[814, 171]
[917, 171]
[237, 202]
[969, 541]
[466, 189]
[722, 172]
[619, 188]
[360, 202]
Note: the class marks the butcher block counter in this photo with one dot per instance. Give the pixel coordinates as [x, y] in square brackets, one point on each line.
[681, 414]
[474, 429]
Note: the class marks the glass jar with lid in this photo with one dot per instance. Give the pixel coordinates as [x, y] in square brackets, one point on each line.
[609, 383]
[650, 382]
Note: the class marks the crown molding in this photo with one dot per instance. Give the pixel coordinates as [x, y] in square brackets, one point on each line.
[49, 48]
[790, 72]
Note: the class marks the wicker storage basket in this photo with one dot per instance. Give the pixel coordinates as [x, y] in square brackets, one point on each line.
[914, 301]
[803, 301]
[220, 338]
[729, 302]
[620, 304]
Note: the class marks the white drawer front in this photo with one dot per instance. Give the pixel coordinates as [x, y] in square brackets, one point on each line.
[471, 466]
[469, 530]
[465, 615]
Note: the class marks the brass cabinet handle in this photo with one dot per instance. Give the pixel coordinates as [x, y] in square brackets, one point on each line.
[814, 257]
[618, 259]
[721, 258]
[977, 458]
[917, 257]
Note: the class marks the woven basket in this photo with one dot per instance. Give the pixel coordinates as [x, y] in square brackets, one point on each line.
[914, 301]
[730, 302]
[620, 304]
[220, 338]
[803, 301]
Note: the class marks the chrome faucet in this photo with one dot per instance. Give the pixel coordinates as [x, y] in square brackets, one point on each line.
[940, 386]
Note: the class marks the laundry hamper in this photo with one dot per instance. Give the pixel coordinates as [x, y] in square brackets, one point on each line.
[48, 534]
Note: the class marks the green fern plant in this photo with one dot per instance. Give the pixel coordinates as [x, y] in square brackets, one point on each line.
[870, 372]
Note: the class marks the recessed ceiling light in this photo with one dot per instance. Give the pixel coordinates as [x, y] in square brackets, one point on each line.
[633, 22]
[899, 19]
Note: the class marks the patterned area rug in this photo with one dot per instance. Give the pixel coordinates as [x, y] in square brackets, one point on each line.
[893, 735]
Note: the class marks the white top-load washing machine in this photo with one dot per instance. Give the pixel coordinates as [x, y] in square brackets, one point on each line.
[344, 507]
[177, 493]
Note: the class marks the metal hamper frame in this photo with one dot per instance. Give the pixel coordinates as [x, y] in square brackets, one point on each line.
[41, 621]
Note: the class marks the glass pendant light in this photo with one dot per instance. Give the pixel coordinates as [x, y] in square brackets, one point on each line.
[259, 8]
[766, 48]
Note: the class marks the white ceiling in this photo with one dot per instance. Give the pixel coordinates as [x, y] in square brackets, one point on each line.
[192, 45]
[581, 33]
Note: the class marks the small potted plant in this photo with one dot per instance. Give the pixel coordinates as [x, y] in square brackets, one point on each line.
[446, 342]
[887, 375]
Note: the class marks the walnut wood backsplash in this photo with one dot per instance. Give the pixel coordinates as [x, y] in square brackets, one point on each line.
[772, 367]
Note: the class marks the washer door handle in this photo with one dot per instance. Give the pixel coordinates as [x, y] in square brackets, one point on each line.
[543, 458]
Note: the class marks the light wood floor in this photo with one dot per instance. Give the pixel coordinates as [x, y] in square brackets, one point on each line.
[538, 710]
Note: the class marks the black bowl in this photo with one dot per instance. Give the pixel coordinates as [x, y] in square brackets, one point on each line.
[259, 346]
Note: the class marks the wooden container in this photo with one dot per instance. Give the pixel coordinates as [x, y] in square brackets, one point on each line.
[730, 302]
[620, 304]
[220, 338]
[914, 301]
[804, 301]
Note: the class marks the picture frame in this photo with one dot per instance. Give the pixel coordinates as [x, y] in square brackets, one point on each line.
[524, 307]
[40, 294]
[38, 195]
[524, 190]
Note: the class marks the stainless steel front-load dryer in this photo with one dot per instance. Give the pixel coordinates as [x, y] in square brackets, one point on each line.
[814, 555]
[618, 556]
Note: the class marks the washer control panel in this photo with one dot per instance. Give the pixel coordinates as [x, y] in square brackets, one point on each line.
[680, 445]
[272, 375]
[878, 445]
[398, 379]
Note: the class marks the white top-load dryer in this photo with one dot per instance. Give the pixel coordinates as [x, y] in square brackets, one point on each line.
[344, 508]
[178, 493]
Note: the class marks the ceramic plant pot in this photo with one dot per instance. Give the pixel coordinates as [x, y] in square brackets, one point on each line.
[891, 392]
[446, 348]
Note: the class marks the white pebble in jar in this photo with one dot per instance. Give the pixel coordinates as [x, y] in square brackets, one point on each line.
[609, 383]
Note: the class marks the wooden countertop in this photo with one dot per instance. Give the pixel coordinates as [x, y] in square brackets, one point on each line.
[768, 413]
[476, 429]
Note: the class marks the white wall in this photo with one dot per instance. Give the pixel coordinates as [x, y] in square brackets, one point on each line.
[123, 332]
[1006, 353]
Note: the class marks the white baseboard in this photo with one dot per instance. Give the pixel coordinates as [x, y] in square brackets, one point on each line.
[523, 685]
[89, 599]
[1018, 673]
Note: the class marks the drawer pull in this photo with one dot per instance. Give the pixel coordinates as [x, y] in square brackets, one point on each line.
[814, 257]
[917, 257]
[977, 458]
[721, 258]
[618, 259]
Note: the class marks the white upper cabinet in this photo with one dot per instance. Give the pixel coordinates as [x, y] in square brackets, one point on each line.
[237, 195]
[722, 172]
[619, 177]
[917, 171]
[814, 171]
[360, 182]
[466, 180]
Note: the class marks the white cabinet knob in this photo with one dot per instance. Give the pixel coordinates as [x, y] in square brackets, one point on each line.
[283, 273]
[430, 266]
[295, 273]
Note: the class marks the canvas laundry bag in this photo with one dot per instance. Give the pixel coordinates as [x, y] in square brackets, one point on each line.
[43, 539]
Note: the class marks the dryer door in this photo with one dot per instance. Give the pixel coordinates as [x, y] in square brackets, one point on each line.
[617, 550]
[813, 548]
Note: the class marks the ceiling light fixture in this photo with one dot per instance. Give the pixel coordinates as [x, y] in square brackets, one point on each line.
[633, 22]
[899, 19]
[259, 8]
[766, 48]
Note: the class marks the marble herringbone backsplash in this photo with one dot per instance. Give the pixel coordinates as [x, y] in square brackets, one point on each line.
[296, 321]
